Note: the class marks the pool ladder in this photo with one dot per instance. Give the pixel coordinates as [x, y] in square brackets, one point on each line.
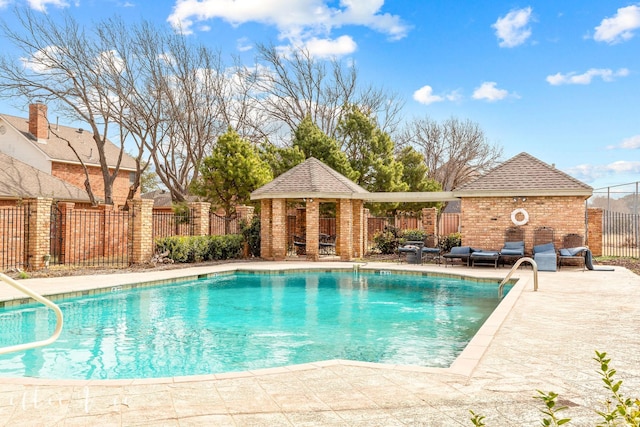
[59, 320]
[534, 267]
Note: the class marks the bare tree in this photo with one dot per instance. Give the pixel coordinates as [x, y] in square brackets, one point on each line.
[454, 151]
[60, 63]
[297, 85]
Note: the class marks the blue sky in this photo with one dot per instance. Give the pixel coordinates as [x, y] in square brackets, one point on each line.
[557, 79]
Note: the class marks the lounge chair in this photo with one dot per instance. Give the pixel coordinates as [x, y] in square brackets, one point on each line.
[463, 253]
[544, 250]
[572, 250]
[430, 248]
[545, 257]
[513, 248]
[327, 244]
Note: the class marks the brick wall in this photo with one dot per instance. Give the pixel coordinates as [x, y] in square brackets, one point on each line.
[484, 220]
[74, 175]
[594, 236]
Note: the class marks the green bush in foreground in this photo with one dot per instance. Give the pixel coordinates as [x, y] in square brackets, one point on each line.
[619, 411]
[200, 248]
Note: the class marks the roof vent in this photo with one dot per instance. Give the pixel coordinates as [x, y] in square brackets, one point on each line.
[80, 130]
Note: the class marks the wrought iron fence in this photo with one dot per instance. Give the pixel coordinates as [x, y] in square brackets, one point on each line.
[167, 224]
[14, 232]
[620, 234]
[89, 238]
[220, 225]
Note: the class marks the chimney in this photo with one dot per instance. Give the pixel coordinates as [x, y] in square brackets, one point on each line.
[38, 124]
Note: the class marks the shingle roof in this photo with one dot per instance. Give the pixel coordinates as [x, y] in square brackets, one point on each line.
[524, 174]
[19, 180]
[311, 178]
[57, 149]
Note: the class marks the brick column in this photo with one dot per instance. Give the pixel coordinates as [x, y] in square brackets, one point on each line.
[430, 220]
[141, 230]
[358, 229]
[200, 217]
[594, 232]
[279, 228]
[313, 229]
[245, 213]
[39, 232]
[345, 229]
[266, 228]
[365, 229]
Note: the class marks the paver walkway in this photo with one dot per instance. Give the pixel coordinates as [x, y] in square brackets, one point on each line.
[546, 341]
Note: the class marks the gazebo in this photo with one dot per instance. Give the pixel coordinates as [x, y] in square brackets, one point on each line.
[311, 183]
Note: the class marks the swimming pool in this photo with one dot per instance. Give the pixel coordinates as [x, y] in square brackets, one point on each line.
[246, 321]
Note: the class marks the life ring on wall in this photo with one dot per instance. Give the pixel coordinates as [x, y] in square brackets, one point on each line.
[525, 216]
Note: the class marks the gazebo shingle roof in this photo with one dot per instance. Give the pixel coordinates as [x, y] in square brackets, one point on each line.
[524, 174]
[311, 178]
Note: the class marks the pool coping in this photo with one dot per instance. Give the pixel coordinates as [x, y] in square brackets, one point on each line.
[463, 365]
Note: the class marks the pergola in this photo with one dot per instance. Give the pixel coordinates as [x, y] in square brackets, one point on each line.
[312, 183]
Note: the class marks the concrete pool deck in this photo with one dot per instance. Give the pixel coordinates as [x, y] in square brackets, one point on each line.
[542, 340]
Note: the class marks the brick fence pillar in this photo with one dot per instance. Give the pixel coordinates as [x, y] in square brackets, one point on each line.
[141, 230]
[366, 214]
[39, 232]
[594, 231]
[430, 220]
[200, 217]
[245, 213]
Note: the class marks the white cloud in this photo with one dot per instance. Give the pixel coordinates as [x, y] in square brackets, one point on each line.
[605, 74]
[4, 3]
[325, 48]
[41, 5]
[425, 95]
[298, 21]
[512, 29]
[590, 173]
[620, 27]
[488, 91]
[632, 143]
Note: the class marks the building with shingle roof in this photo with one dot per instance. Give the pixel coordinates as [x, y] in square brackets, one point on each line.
[311, 178]
[45, 147]
[524, 175]
[18, 180]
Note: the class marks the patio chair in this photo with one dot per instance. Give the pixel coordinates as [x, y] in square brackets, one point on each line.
[327, 244]
[544, 250]
[513, 248]
[573, 250]
[430, 248]
[300, 244]
[463, 253]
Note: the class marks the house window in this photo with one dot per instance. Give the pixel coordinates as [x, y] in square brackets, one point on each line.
[132, 178]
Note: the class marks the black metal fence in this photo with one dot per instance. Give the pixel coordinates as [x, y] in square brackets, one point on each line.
[620, 234]
[167, 224]
[89, 238]
[14, 232]
[220, 226]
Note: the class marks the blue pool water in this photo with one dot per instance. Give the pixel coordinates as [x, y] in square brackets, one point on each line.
[247, 321]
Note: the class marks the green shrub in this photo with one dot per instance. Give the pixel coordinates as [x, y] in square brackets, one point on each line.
[251, 234]
[447, 242]
[386, 241]
[413, 235]
[200, 248]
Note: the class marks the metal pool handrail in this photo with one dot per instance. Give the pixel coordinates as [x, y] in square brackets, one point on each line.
[59, 320]
[534, 266]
